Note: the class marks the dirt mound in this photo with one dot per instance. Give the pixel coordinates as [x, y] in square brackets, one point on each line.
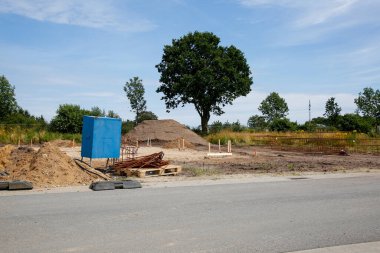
[64, 143]
[164, 131]
[47, 167]
[177, 144]
[5, 153]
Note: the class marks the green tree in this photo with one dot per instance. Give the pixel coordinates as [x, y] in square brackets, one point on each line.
[112, 114]
[368, 103]
[68, 119]
[257, 122]
[196, 70]
[135, 91]
[332, 111]
[274, 107]
[146, 115]
[351, 122]
[97, 112]
[282, 125]
[8, 104]
[127, 126]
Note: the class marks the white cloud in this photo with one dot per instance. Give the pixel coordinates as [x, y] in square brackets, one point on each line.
[307, 21]
[312, 12]
[89, 13]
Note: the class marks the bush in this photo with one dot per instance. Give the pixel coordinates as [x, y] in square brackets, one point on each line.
[351, 122]
[282, 125]
[127, 126]
[216, 127]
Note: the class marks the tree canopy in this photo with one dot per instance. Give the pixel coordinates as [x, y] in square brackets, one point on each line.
[8, 104]
[146, 115]
[332, 110]
[368, 103]
[69, 118]
[196, 70]
[274, 107]
[135, 91]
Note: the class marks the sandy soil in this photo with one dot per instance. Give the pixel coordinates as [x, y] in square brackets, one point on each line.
[253, 160]
[245, 165]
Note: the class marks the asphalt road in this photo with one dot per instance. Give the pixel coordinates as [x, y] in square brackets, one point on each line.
[251, 217]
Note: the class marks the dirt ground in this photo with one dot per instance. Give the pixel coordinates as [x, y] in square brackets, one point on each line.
[45, 166]
[49, 167]
[248, 160]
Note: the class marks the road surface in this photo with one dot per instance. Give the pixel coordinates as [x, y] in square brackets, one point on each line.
[251, 217]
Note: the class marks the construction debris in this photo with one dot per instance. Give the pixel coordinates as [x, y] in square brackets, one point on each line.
[112, 185]
[150, 165]
[149, 161]
[16, 185]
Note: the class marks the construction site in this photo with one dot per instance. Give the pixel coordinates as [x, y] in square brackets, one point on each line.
[165, 150]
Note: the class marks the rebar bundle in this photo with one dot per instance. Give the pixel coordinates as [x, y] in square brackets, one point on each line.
[149, 161]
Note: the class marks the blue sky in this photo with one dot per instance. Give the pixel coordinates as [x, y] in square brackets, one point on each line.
[82, 52]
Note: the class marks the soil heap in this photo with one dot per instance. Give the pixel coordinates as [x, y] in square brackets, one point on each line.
[164, 131]
[45, 168]
[177, 144]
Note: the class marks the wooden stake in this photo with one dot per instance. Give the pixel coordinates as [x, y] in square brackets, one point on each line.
[183, 143]
[209, 147]
[219, 145]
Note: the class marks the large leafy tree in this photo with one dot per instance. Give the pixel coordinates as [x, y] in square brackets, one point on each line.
[8, 104]
[68, 119]
[368, 103]
[274, 107]
[332, 110]
[135, 91]
[196, 70]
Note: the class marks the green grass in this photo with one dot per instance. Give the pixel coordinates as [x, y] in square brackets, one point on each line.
[14, 135]
[301, 141]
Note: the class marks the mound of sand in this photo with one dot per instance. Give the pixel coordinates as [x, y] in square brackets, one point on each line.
[177, 144]
[5, 153]
[45, 168]
[164, 131]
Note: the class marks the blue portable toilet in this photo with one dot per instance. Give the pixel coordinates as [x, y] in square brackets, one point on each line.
[101, 137]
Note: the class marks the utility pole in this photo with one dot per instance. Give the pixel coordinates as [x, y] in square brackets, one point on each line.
[309, 116]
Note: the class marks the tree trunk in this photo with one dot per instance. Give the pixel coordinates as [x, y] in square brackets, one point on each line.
[204, 122]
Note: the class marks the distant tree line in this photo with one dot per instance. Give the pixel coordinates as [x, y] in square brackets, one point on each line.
[274, 110]
[69, 117]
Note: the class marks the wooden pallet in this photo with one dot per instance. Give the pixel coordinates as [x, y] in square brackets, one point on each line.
[170, 170]
[152, 172]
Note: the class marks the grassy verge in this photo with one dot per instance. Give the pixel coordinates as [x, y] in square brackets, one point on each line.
[301, 141]
[23, 135]
[199, 172]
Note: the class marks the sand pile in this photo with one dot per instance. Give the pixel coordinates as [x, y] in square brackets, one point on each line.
[47, 167]
[5, 153]
[178, 143]
[164, 131]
